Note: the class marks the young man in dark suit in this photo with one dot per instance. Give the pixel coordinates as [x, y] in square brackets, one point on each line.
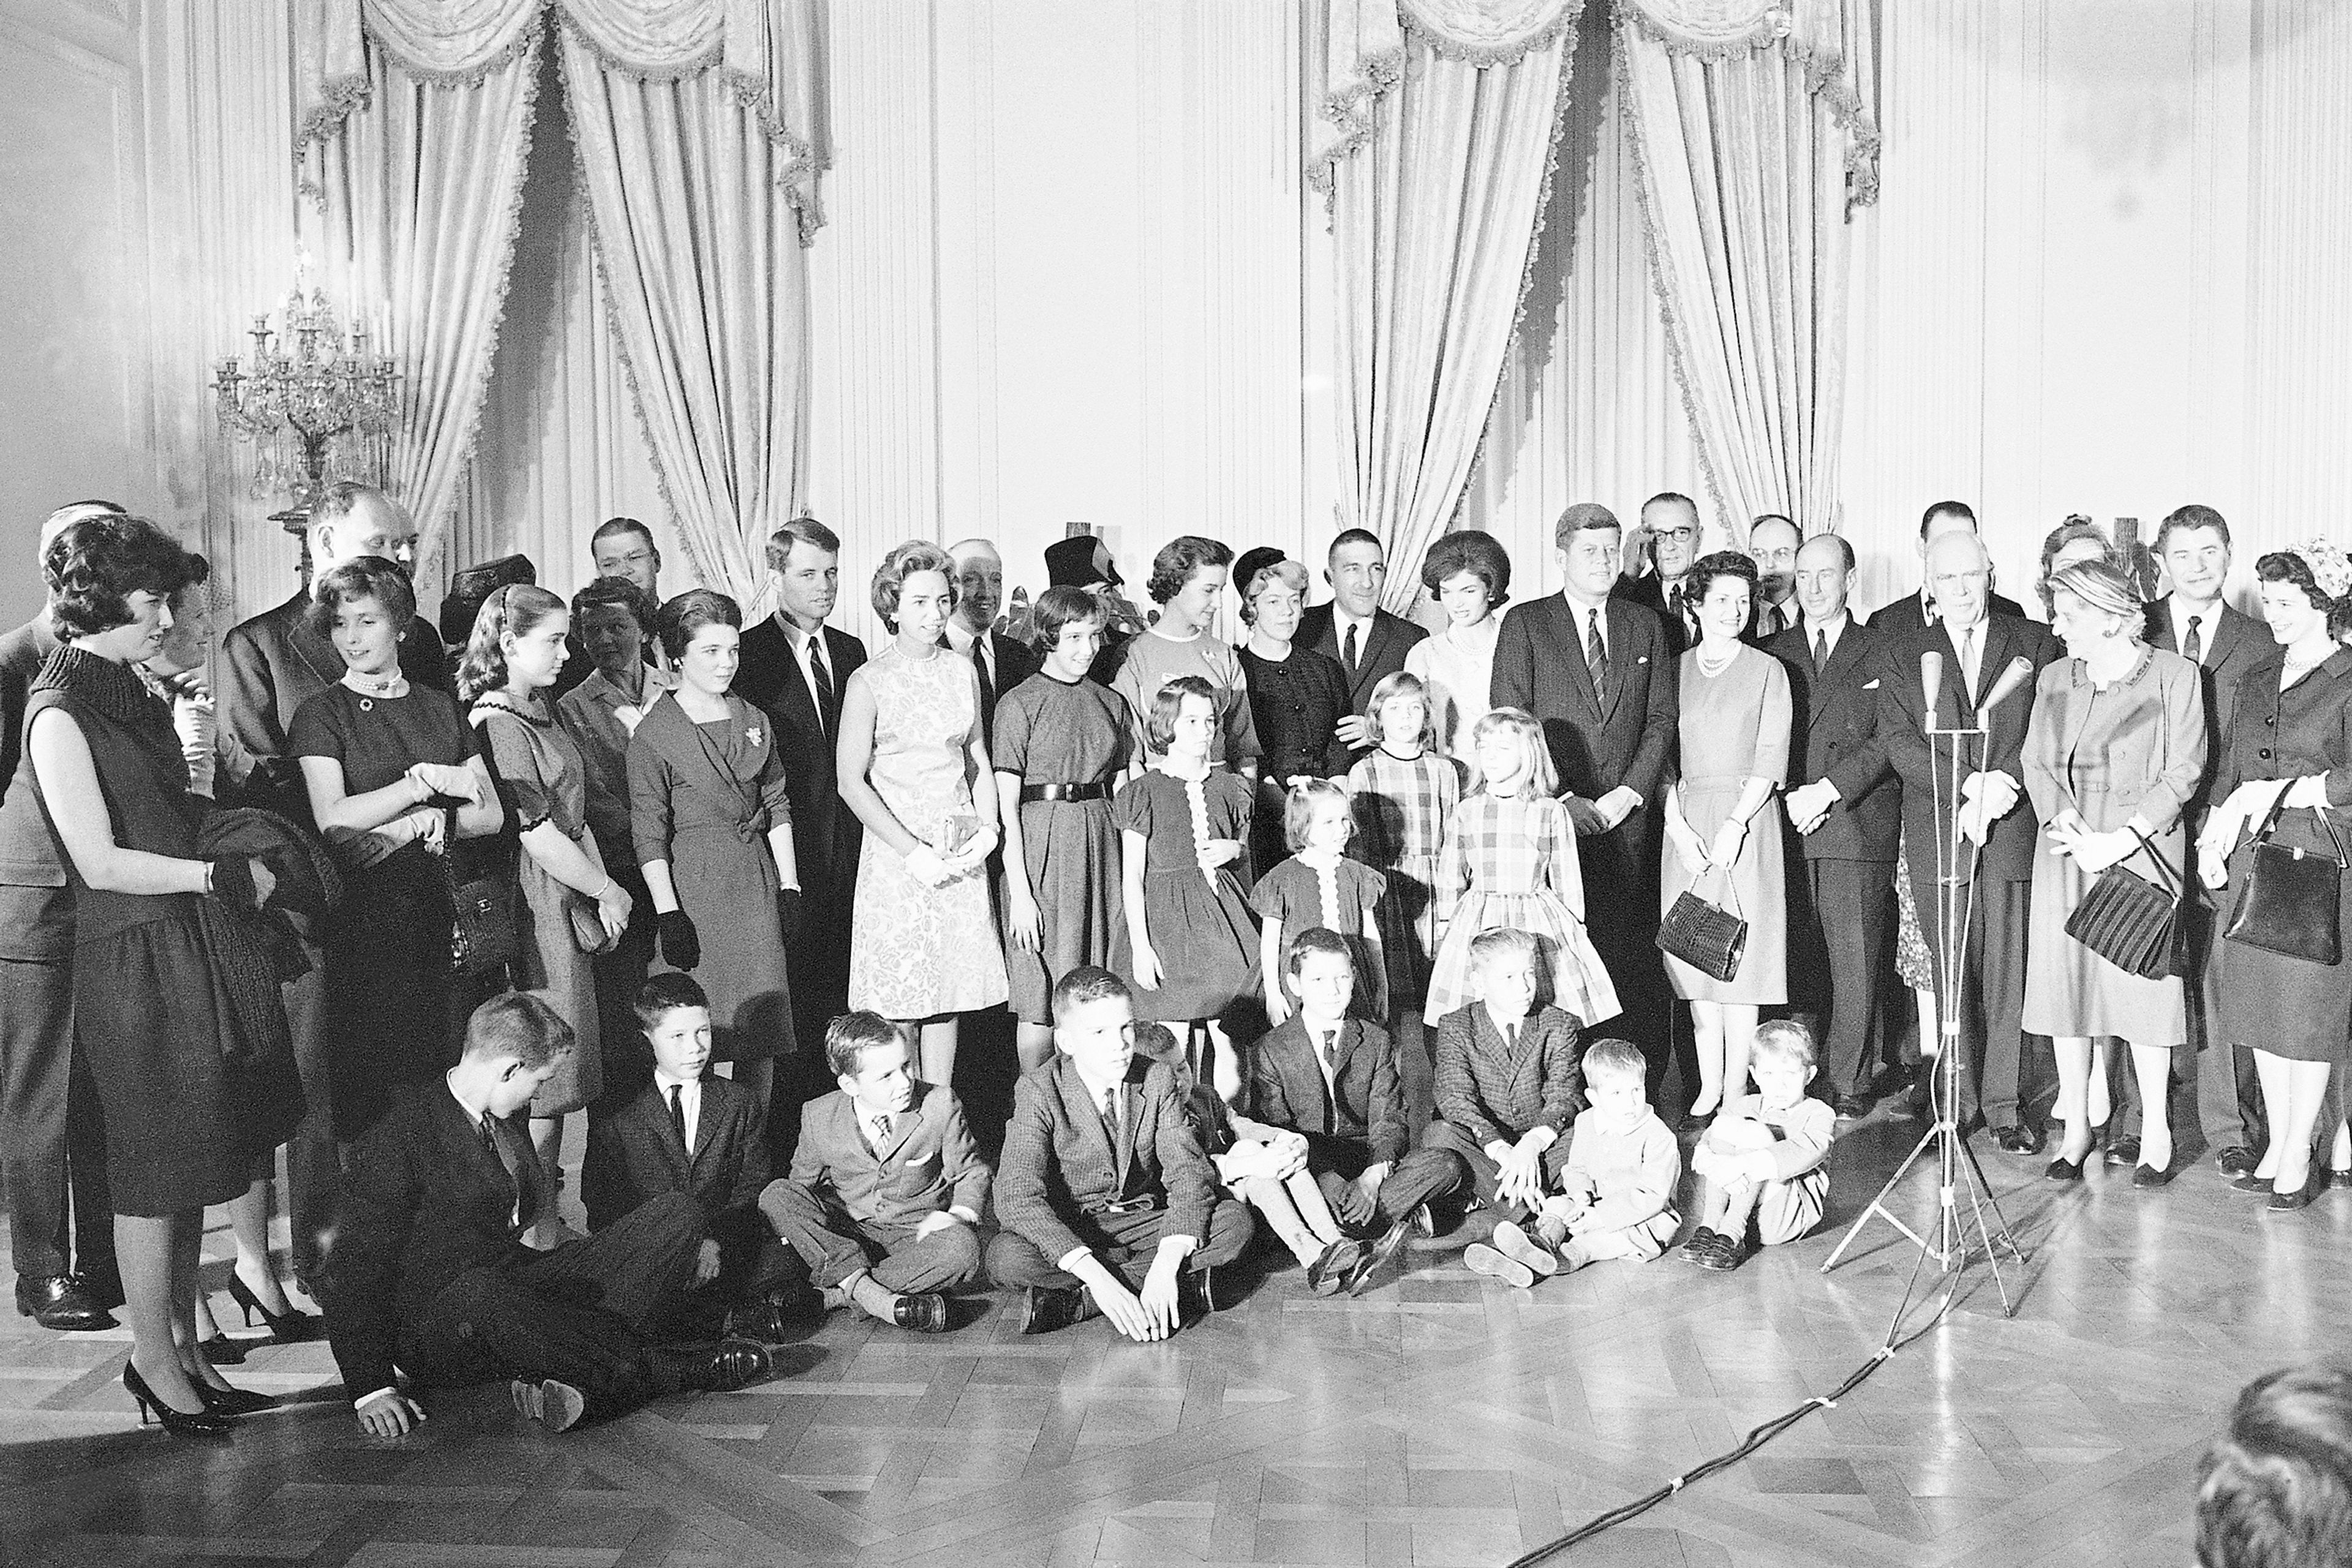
[1001, 662]
[705, 1137]
[1333, 1080]
[2195, 622]
[429, 1272]
[1908, 615]
[52, 1137]
[887, 1188]
[1368, 642]
[1108, 1205]
[794, 667]
[1976, 650]
[1846, 808]
[1596, 673]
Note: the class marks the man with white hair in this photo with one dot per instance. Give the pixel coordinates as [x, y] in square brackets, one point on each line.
[268, 666]
[1001, 662]
[52, 1139]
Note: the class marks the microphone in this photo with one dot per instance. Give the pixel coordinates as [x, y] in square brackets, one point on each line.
[1931, 682]
[2020, 671]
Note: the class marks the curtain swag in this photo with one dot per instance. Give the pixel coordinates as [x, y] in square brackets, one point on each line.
[767, 52]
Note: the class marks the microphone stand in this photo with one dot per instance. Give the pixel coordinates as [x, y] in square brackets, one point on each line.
[1957, 1168]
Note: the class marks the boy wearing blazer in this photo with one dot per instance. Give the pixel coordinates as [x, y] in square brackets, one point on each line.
[886, 1190]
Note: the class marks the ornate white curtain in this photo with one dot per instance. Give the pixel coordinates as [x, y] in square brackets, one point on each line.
[704, 272]
[1752, 138]
[1444, 116]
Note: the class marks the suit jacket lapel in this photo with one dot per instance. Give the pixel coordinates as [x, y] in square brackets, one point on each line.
[705, 1122]
[1376, 636]
[1130, 1107]
[1993, 658]
[1833, 675]
[1079, 1109]
[1618, 620]
[1955, 705]
[2229, 627]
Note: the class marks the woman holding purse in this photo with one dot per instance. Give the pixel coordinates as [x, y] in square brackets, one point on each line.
[2114, 750]
[2287, 772]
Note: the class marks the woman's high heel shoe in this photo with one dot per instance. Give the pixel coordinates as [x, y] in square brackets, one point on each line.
[2061, 1169]
[204, 1422]
[232, 1401]
[290, 1327]
[222, 1351]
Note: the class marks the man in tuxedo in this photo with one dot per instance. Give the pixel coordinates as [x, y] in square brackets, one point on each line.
[1772, 544]
[1847, 809]
[268, 666]
[1596, 673]
[1907, 616]
[1368, 642]
[52, 1138]
[2194, 621]
[431, 1273]
[1001, 662]
[1997, 820]
[795, 668]
[1666, 543]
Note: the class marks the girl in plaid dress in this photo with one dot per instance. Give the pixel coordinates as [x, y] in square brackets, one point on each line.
[1404, 795]
[1510, 861]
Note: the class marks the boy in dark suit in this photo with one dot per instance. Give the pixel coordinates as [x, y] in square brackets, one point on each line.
[1509, 1085]
[704, 1137]
[1107, 1201]
[430, 1272]
[884, 1166]
[1333, 1080]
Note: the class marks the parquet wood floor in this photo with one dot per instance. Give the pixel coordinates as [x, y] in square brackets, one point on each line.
[1441, 1420]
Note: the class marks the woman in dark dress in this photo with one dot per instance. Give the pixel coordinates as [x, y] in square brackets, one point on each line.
[390, 768]
[1297, 696]
[186, 1119]
[2289, 751]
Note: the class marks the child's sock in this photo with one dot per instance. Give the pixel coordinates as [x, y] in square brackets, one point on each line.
[870, 1296]
[1551, 1230]
[1574, 1255]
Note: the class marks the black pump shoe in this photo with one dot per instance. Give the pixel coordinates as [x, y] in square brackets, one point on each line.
[290, 1327]
[204, 1422]
[232, 1401]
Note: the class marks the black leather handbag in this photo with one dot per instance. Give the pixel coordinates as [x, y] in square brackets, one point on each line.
[2130, 922]
[1707, 937]
[482, 933]
[2289, 904]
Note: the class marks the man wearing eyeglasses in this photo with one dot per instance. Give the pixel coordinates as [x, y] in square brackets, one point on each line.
[620, 547]
[1666, 541]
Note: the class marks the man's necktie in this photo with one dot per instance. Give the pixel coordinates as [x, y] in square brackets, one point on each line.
[495, 1139]
[1110, 1115]
[1821, 651]
[1596, 655]
[1510, 1039]
[2193, 645]
[1969, 662]
[881, 1131]
[980, 663]
[1348, 648]
[678, 1116]
[824, 678]
[1678, 606]
[1327, 1047]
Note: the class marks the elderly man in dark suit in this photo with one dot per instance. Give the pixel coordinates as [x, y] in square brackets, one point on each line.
[1108, 1202]
[796, 668]
[2194, 621]
[268, 666]
[1908, 615]
[1665, 542]
[1846, 806]
[1001, 662]
[431, 1272]
[1368, 642]
[1996, 856]
[1596, 673]
[52, 1139]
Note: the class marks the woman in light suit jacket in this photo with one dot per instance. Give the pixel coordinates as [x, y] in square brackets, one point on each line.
[2116, 748]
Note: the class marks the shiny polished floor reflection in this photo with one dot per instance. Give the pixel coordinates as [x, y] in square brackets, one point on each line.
[1443, 1419]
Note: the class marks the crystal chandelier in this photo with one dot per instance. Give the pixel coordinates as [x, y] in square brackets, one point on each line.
[316, 405]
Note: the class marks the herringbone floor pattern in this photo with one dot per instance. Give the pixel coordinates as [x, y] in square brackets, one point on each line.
[1440, 1420]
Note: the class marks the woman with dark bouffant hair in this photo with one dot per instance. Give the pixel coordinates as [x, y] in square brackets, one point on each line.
[396, 783]
[1469, 575]
[571, 909]
[194, 1090]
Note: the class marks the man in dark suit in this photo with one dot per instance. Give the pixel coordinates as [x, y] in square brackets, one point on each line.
[1773, 541]
[430, 1272]
[1664, 546]
[268, 666]
[1846, 806]
[1907, 616]
[1596, 674]
[887, 1188]
[1368, 642]
[1333, 1080]
[620, 547]
[705, 1137]
[52, 1138]
[1107, 1202]
[795, 668]
[1001, 662]
[2194, 621]
[1999, 822]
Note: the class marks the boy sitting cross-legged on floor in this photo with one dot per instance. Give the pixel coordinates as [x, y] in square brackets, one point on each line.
[886, 1189]
[1507, 1087]
[1766, 1156]
[1107, 1204]
[1333, 1080]
[1617, 1195]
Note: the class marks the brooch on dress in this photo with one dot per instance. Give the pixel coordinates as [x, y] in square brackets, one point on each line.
[752, 734]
